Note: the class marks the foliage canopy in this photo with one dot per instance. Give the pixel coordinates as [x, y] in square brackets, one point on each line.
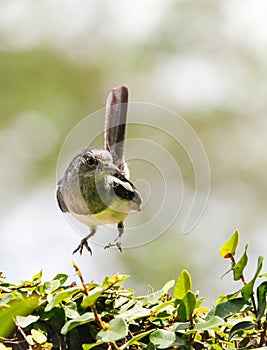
[56, 315]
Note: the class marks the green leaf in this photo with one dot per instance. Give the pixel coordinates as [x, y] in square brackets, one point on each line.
[240, 266]
[38, 337]
[228, 248]
[200, 301]
[85, 318]
[19, 307]
[91, 346]
[247, 290]
[50, 287]
[30, 340]
[128, 305]
[118, 302]
[111, 281]
[181, 326]
[37, 277]
[167, 286]
[61, 277]
[92, 297]
[25, 321]
[117, 329]
[182, 285]
[135, 312]
[187, 307]
[134, 340]
[216, 347]
[261, 297]
[70, 310]
[232, 296]
[167, 306]
[210, 324]
[6, 299]
[162, 339]
[60, 296]
[241, 326]
[228, 308]
[153, 298]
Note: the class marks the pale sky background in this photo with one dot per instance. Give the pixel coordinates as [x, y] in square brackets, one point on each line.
[226, 66]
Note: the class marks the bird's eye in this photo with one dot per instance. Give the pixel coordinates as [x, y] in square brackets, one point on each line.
[91, 161]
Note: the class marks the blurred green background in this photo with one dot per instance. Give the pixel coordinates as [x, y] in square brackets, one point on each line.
[204, 60]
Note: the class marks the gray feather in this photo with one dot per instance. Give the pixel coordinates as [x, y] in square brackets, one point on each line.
[115, 124]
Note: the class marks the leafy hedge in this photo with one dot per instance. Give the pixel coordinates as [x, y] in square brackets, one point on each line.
[53, 315]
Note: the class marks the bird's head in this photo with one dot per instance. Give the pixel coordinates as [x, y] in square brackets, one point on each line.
[96, 161]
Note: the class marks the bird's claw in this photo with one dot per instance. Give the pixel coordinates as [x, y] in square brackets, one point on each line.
[80, 247]
[116, 243]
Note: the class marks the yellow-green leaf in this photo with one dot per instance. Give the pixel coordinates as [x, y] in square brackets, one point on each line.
[240, 265]
[247, 290]
[71, 324]
[182, 285]
[92, 297]
[116, 330]
[60, 296]
[162, 339]
[228, 248]
[19, 307]
[38, 337]
[187, 307]
[37, 277]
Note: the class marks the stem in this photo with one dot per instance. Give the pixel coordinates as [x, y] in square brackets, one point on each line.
[97, 317]
[79, 273]
[252, 295]
[93, 307]
[102, 325]
[22, 333]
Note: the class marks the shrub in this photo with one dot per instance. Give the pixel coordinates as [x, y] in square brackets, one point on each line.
[54, 315]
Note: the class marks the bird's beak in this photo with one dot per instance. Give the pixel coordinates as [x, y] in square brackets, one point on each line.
[109, 168]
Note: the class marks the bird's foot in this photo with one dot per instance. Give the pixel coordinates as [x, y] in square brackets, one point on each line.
[83, 244]
[116, 243]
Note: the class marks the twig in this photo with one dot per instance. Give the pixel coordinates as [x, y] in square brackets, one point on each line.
[22, 333]
[93, 307]
[79, 273]
[244, 282]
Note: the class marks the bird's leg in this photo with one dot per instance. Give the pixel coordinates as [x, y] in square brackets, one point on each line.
[117, 241]
[84, 243]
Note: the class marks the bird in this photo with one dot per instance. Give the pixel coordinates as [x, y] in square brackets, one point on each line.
[95, 187]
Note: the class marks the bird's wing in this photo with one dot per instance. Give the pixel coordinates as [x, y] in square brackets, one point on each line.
[125, 189]
[60, 200]
[122, 187]
[115, 124]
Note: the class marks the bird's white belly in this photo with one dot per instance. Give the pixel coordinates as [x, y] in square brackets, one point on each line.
[107, 216]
